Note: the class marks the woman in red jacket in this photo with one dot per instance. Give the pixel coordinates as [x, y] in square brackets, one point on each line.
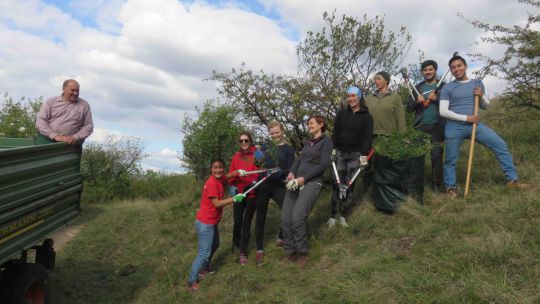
[243, 160]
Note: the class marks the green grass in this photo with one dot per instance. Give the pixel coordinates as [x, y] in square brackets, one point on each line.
[483, 249]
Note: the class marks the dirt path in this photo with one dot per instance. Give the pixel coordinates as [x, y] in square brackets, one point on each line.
[63, 236]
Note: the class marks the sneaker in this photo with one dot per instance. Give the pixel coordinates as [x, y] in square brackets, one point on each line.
[343, 222]
[279, 242]
[193, 287]
[259, 259]
[242, 259]
[515, 184]
[451, 192]
[331, 222]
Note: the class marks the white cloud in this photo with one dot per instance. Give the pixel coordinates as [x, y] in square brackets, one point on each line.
[198, 38]
[166, 160]
[104, 12]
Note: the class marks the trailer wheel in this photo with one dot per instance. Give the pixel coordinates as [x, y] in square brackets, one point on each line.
[28, 284]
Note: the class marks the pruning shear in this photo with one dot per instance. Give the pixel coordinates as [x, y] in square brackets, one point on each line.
[344, 187]
[268, 173]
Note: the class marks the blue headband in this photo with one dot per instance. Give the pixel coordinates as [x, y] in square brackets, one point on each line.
[354, 90]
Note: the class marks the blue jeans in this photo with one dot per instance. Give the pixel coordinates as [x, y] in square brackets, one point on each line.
[456, 132]
[208, 244]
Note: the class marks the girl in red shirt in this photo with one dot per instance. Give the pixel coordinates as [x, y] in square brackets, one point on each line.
[208, 217]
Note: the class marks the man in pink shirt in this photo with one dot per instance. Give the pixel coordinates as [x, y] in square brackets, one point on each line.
[66, 118]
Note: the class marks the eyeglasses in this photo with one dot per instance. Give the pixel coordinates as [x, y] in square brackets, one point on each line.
[243, 141]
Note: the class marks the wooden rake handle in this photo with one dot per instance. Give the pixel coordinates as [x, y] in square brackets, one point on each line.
[471, 150]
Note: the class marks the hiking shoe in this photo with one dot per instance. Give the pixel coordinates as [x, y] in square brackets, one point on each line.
[331, 223]
[259, 259]
[517, 185]
[343, 222]
[279, 242]
[451, 193]
[242, 259]
[193, 287]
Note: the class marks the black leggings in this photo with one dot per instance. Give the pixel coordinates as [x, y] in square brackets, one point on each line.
[268, 190]
[239, 217]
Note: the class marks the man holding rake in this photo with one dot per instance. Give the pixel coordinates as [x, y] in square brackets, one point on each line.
[457, 106]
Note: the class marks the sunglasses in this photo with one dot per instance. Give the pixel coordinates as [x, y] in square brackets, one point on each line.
[243, 141]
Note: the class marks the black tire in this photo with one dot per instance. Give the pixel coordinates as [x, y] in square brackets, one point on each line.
[26, 284]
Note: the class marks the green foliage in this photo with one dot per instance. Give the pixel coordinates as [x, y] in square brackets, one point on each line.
[341, 54]
[350, 52]
[17, 119]
[157, 186]
[520, 63]
[262, 98]
[411, 144]
[109, 168]
[213, 134]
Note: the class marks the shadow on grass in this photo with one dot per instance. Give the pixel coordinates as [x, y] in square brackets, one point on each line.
[96, 282]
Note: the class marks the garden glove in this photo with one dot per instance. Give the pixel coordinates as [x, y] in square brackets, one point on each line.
[241, 172]
[292, 184]
[233, 190]
[363, 161]
[258, 154]
[239, 198]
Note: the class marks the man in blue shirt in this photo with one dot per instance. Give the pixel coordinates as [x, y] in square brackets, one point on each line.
[457, 106]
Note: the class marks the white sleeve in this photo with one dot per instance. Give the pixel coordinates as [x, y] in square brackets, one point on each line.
[484, 102]
[446, 113]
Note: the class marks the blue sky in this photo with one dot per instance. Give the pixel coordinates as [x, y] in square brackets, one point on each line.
[141, 63]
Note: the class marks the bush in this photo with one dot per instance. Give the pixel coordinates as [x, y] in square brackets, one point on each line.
[411, 144]
[212, 135]
[109, 168]
[158, 185]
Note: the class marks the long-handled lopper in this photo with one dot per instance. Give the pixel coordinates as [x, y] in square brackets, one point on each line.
[344, 187]
[269, 172]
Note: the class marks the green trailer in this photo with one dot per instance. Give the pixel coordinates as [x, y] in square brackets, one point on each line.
[40, 190]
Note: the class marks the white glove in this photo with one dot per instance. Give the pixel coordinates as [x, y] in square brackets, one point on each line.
[363, 161]
[292, 184]
[242, 172]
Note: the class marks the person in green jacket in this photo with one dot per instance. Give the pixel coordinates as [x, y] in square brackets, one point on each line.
[386, 107]
[388, 114]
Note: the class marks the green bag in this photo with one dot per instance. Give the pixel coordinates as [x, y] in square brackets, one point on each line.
[394, 180]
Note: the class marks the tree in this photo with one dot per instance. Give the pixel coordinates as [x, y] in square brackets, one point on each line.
[350, 52]
[17, 119]
[344, 53]
[520, 63]
[213, 134]
[261, 98]
[110, 167]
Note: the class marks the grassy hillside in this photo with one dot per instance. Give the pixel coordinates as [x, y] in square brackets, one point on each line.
[483, 249]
